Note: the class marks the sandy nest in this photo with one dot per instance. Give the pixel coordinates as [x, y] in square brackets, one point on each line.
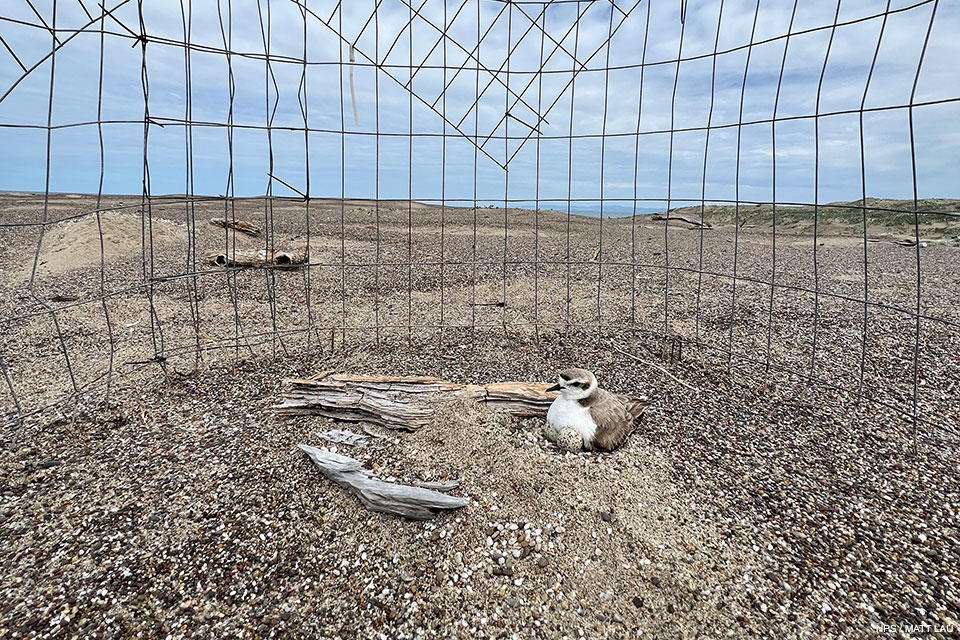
[160, 516]
[607, 530]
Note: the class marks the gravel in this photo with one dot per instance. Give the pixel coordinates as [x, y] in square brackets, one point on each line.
[760, 505]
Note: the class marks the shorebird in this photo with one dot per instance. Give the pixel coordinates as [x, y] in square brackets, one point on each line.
[585, 416]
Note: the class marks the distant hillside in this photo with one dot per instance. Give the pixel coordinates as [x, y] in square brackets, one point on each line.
[938, 216]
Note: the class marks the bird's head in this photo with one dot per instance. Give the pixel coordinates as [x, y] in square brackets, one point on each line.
[575, 384]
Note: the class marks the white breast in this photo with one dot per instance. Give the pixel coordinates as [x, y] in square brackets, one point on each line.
[569, 414]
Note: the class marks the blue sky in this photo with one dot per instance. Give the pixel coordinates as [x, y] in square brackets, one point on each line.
[617, 168]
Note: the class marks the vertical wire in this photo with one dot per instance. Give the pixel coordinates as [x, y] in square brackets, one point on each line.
[271, 273]
[476, 151]
[227, 44]
[916, 236]
[46, 201]
[13, 393]
[573, 86]
[816, 200]
[863, 203]
[636, 170]
[376, 210]
[603, 158]
[146, 200]
[703, 184]
[506, 159]
[773, 150]
[229, 204]
[343, 191]
[231, 236]
[736, 210]
[103, 276]
[302, 97]
[193, 299]
[232, 185]
[666, 218]
[443, 171]
[266, 32]
[410, 187]
[536, 195]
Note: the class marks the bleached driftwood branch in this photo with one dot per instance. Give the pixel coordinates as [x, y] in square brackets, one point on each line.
[256, 258]
[682, 217]
[239, 225]
[404, 402]
[440, 486]
[386, 497]
[342, 436]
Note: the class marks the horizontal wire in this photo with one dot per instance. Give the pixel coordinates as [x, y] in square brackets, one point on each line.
[179, 122]
[221, 344]
[496, 263]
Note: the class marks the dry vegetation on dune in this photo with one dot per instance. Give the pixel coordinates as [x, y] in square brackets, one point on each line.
[885, 217]
[760, 505]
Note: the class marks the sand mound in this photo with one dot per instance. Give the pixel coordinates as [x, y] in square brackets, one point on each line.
[75, 244]
[604, 534]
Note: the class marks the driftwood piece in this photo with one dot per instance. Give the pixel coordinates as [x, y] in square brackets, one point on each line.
[239, 225]
[404, 402]
[257, 258]
[440, 486]
[403, 500]
[682, 217]
[342, 436]
[911, 242]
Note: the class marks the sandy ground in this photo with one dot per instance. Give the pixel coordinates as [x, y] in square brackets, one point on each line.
[758, 504]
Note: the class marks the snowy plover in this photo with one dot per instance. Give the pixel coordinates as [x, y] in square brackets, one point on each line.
[585, 416]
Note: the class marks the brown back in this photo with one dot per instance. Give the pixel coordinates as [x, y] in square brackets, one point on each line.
[616, 417]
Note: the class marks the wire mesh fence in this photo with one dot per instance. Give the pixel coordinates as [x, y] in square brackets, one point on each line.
[762, 184]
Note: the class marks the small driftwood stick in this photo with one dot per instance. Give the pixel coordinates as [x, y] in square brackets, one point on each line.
[440, 486]
[257, 258]
[239, 225]
[682, 218]
[911, 242]
[341, 436]
[405, 402]
[375, 494]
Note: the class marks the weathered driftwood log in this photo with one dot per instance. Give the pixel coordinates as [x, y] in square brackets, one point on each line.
[911, 242]
[257, 258]
[387, 497]
[682, 217]
[405, 402]
[239, 225]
